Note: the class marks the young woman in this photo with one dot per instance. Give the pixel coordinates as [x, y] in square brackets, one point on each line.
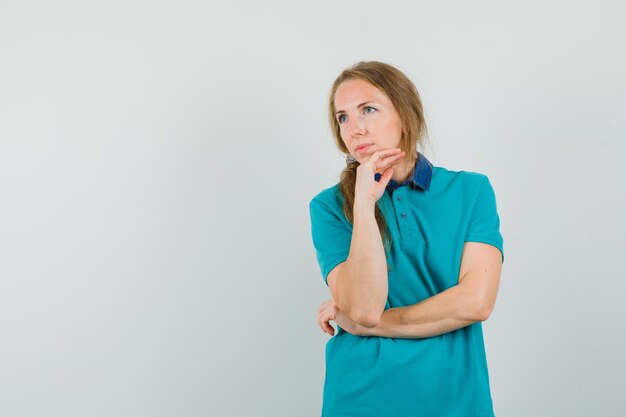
[412, 255]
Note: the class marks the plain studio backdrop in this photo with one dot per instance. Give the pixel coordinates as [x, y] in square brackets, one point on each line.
[156, 164]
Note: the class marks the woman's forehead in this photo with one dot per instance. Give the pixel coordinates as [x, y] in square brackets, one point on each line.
[354, 93]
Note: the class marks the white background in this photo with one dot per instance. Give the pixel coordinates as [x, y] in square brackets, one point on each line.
[156, 164]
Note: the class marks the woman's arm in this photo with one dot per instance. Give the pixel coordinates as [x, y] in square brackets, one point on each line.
[449, 310]
[361, 285]
[470, 301]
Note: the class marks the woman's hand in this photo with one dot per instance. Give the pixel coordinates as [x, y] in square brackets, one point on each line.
[327, 311]
[381, 161]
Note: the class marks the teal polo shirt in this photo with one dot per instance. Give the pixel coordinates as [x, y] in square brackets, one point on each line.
[430, 216]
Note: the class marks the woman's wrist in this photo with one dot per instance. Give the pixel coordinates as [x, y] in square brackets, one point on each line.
[364, 204]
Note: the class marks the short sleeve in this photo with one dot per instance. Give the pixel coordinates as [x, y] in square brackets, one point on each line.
[332, 235]
[484, 224]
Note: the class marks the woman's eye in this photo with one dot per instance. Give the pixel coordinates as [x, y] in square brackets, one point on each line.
[340, 118]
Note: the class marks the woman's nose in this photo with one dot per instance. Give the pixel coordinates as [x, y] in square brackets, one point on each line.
[356, 125]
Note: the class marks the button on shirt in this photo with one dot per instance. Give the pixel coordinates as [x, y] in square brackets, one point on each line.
[430, 216]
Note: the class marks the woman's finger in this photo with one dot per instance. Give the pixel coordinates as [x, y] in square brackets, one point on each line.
[385, 177]
[328, 328]
[323, 305]
[382, 165]
[324, 316]
[377, 156]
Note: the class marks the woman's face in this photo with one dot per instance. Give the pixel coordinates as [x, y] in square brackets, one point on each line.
[366, 116]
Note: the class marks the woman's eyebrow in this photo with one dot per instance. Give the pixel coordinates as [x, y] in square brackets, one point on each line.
[359, 106]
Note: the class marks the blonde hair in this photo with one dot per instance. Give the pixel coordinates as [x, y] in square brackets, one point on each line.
[405, 98]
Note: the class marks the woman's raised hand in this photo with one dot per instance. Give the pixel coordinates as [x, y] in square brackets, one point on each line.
[381, 161]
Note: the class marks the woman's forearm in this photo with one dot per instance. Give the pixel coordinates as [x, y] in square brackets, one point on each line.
[362, 286]
[447, 311]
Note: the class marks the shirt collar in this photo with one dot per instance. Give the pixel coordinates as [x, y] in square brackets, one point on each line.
[422, 174]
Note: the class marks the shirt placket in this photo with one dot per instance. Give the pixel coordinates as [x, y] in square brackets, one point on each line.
[406, 228]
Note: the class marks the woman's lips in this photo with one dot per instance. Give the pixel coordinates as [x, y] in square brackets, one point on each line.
[364, 148]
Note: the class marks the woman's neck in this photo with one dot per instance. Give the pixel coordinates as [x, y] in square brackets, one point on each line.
[403, 170]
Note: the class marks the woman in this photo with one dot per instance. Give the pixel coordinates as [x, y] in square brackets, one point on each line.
[412, 255]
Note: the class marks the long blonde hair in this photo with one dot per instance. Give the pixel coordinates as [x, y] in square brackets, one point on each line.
[405, 98]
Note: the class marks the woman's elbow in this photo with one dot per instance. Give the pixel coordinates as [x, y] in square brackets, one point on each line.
[368, 319]
[484, 311]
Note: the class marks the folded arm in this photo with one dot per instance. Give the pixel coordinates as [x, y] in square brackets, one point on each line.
[470, 301]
